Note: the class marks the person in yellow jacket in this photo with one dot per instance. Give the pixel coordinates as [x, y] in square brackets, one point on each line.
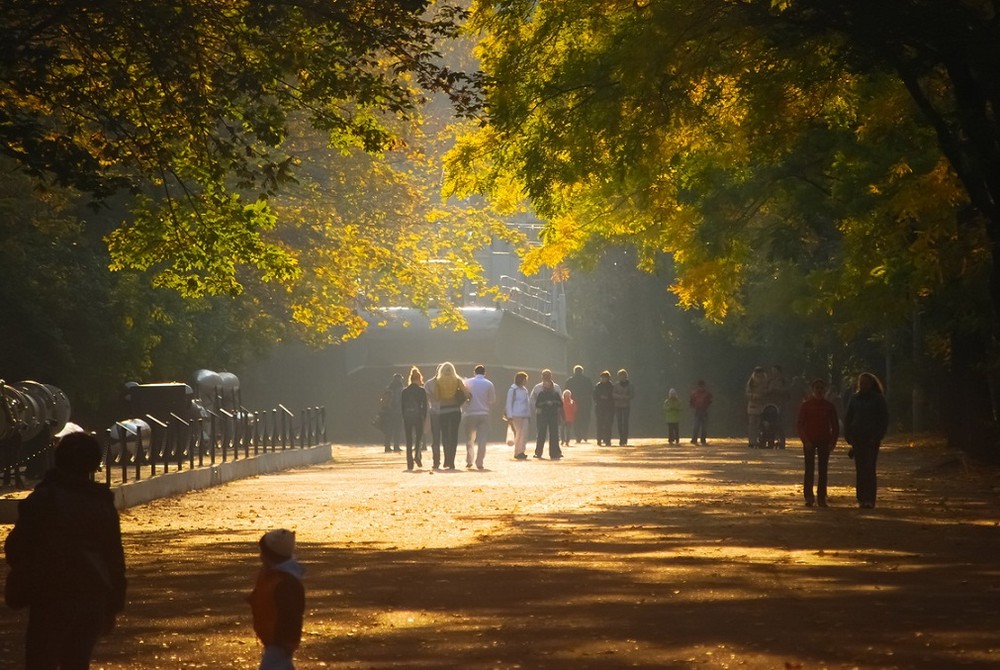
[278, 600]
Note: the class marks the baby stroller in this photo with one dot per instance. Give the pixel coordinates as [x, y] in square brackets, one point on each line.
[769, 437]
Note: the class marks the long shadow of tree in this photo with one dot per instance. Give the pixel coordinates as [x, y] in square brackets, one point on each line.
[715, 573]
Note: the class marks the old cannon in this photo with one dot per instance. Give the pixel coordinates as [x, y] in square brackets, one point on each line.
[31, 413]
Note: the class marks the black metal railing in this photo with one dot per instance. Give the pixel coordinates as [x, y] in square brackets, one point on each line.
[218, 437]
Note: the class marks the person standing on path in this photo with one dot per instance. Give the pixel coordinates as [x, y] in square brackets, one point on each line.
[778, 395]
[546, 381]
[548, 408]
[67, 565]
[433, 417]
[672, 415]
[518, 413]
[700, 401]
[413, 401]
[865, 424]
[582, 387]
[482, 397]
[393, 423]
[756, 395]
[623, 394]
[818, 428]
[449, 390]
[569, 412]
[278, 600]
[604, 408]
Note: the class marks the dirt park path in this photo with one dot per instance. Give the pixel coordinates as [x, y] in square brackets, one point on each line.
[645, 556]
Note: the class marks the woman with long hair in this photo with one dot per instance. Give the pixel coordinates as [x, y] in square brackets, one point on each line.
[449, 392]
[865, 425]
[413, 401]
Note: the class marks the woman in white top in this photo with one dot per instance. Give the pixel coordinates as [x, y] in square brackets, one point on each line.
[518, 413]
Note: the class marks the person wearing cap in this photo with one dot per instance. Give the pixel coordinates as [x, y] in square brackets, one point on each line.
[278, 600]
[67, 564]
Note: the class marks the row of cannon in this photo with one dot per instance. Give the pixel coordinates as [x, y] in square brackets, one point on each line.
[33, 414]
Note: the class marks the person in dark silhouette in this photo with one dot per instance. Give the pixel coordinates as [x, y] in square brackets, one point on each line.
[865, 424]
[413, 403]
[604, 408]
[581, 386]
[67, 565]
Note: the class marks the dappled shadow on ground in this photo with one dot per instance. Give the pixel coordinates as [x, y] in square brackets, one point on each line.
[651, 557]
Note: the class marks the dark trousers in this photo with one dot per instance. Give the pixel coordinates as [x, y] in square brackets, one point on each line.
[449, 435]
[621, 414]
[815, 451]
[581, 425]
[605, 417]
[393, 431]
[865, 459]
[700, 433]
[436, 438]
[62, 635]
[548, 425]
[673, 432]
[414, 431]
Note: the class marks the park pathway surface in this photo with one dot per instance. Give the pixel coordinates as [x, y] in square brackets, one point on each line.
[647, 556]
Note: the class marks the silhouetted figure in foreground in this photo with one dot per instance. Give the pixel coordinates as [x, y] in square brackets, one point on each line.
[66, 559]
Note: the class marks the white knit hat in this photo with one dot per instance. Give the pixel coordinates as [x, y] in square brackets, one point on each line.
[280, 541]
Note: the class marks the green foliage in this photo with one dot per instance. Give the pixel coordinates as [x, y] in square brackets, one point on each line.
[189, 104]
[766, 157]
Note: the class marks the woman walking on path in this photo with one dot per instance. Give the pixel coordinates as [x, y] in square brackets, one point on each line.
[449, 390]
[865, 425]
[413, 400]
[518, 413]
[818, 428]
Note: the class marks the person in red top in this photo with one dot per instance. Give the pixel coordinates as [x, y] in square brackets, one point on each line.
[278, 600]
[701, 400]
[568, 415]
[818, 429]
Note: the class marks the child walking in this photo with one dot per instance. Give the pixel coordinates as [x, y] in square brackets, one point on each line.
[672, 414]
[568, 415]
[278, 600]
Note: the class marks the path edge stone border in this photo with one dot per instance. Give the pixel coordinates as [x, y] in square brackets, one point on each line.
[175, 483]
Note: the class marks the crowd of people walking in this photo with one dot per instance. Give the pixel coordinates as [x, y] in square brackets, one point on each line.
[433, 412]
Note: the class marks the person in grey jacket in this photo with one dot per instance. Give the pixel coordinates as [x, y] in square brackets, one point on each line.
[622, 394]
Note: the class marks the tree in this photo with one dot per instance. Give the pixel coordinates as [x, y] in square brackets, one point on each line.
[187, 105]
[757, 144]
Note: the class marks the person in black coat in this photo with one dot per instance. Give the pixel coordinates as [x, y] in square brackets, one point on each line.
[865, 425]
[413, 402]
[581, 386]
[67, 565]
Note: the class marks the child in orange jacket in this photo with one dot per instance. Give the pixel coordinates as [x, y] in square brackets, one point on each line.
[278, 600]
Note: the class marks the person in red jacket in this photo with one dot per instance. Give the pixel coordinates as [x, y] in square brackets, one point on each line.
[278, 600]
[818, 429]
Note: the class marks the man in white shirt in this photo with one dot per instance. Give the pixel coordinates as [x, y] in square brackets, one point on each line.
[482, 396]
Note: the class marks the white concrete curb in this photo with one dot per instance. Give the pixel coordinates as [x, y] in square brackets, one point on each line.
[175, 483]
